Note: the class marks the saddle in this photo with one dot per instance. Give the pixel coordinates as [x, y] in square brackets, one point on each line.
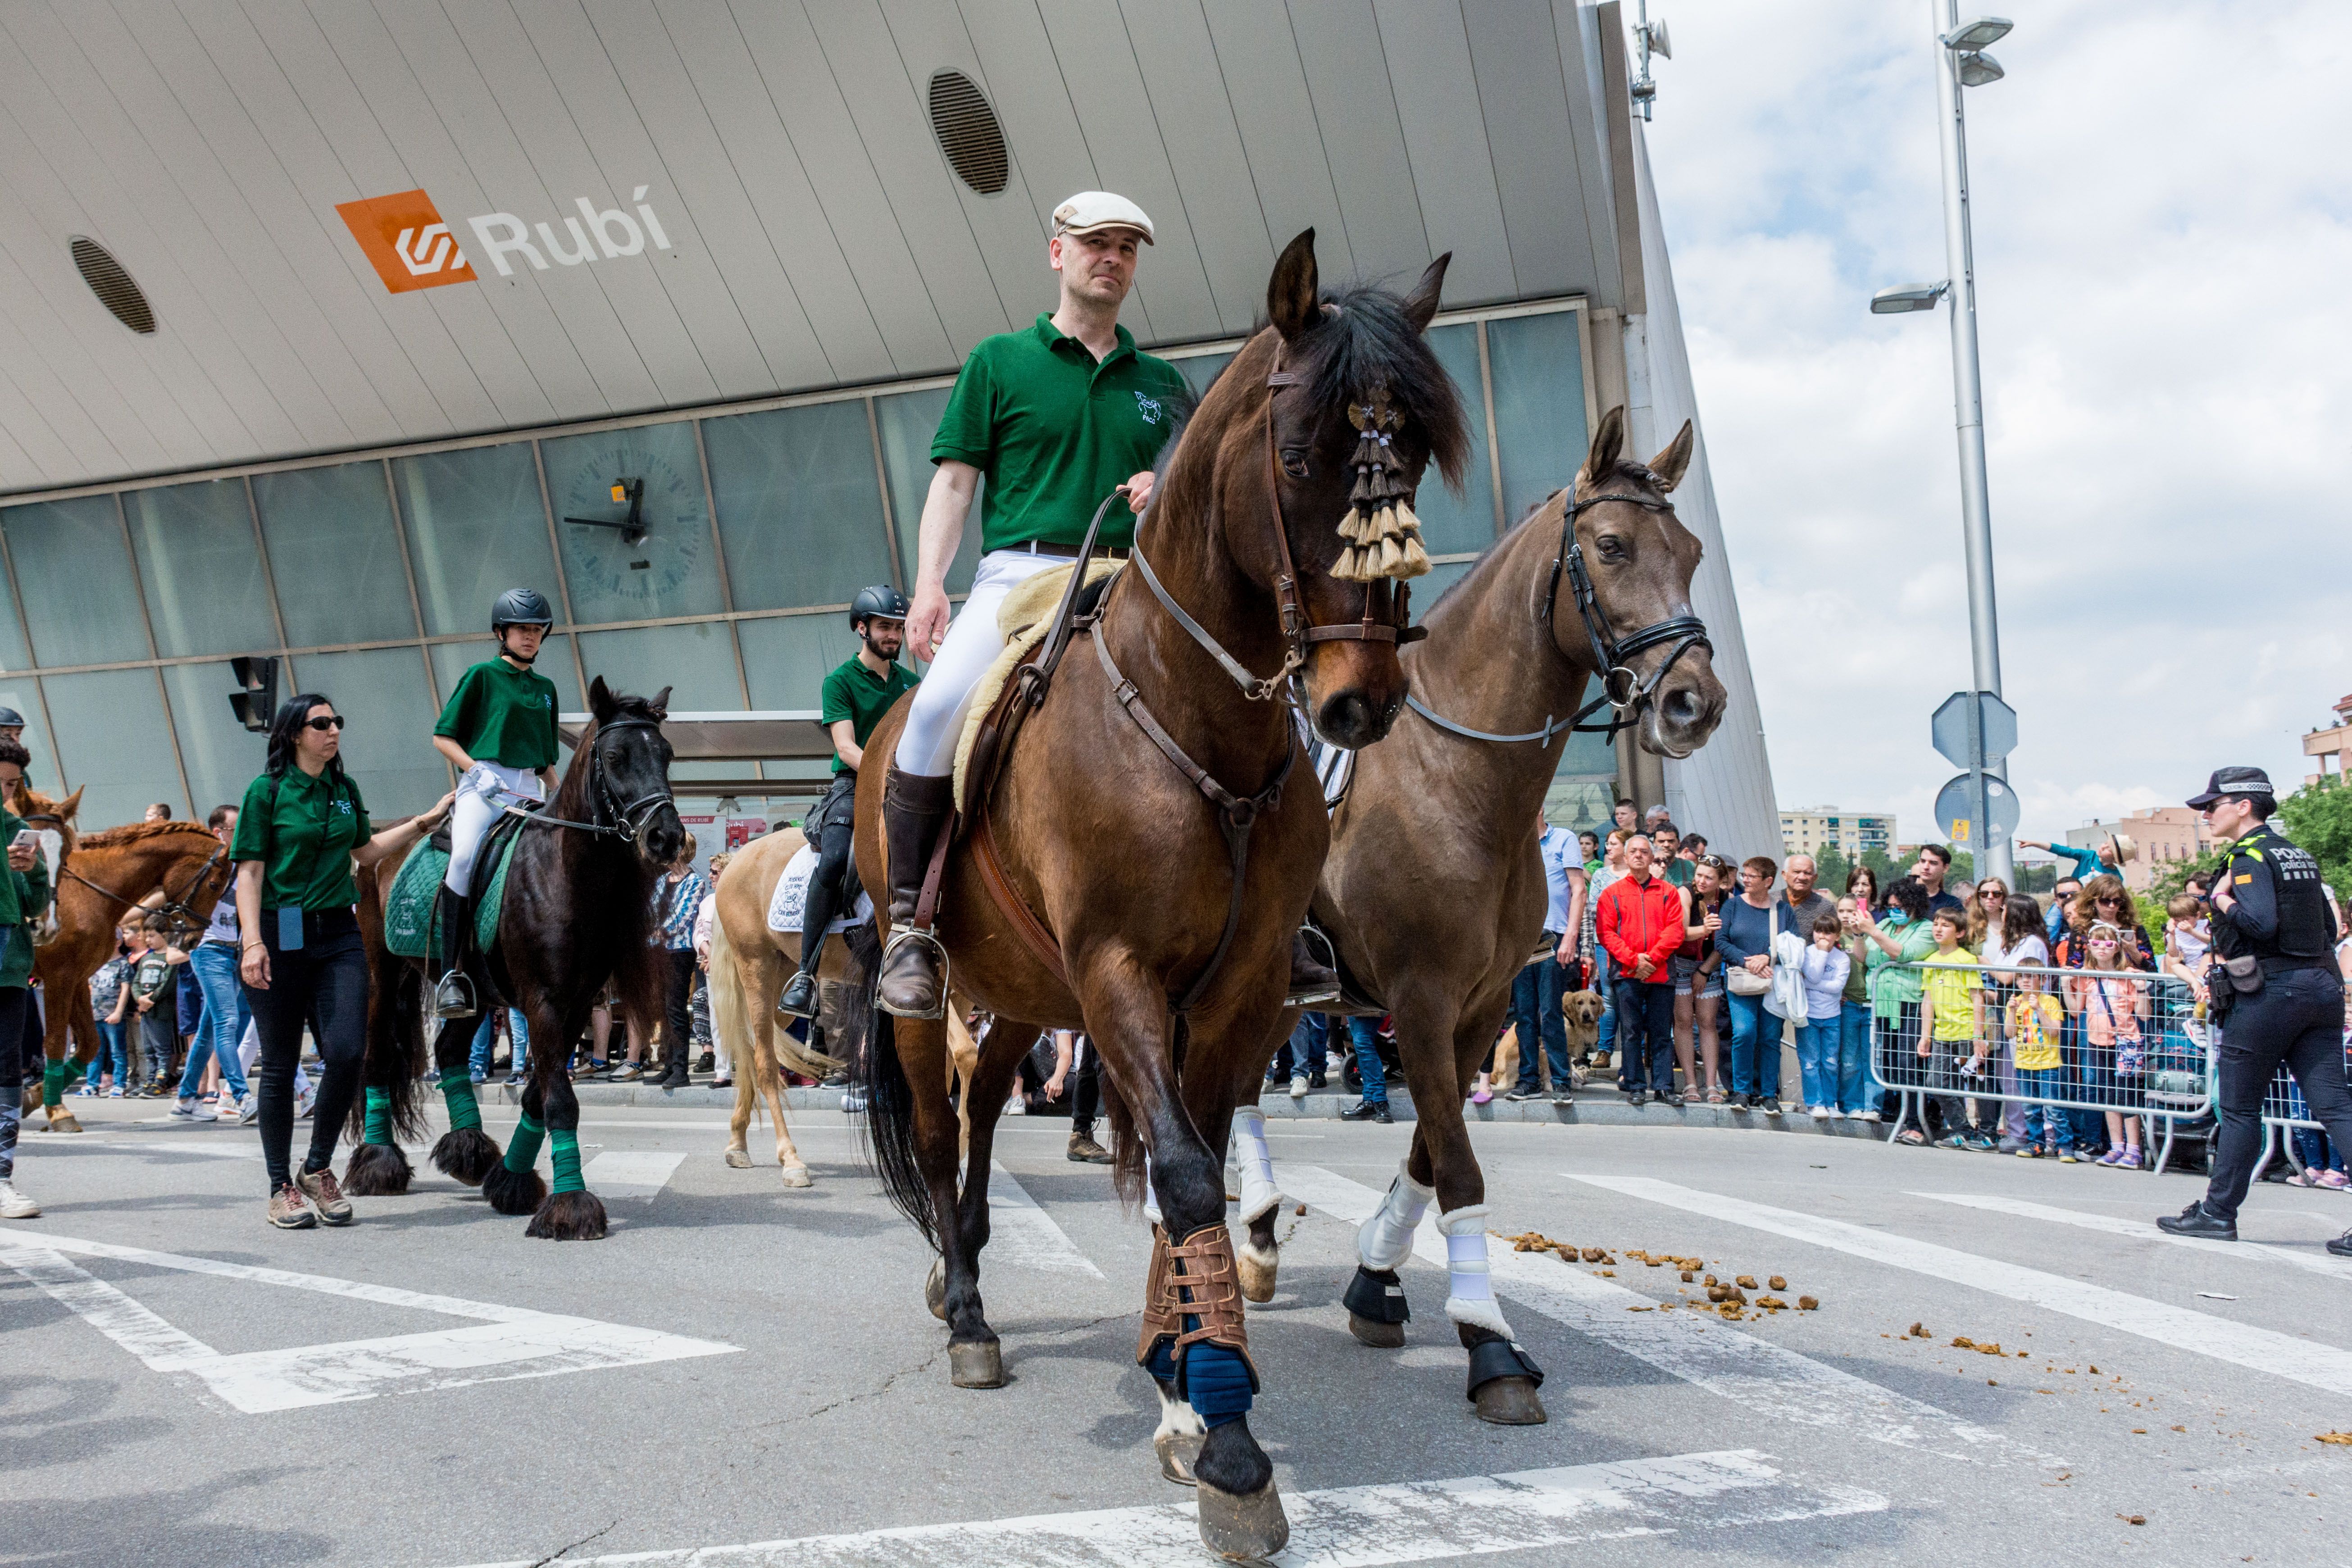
[412, 911]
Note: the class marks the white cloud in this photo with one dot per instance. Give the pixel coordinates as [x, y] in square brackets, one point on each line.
[2162, 232]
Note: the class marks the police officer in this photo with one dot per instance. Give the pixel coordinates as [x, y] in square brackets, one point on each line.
[856, 694]
[2275, 991]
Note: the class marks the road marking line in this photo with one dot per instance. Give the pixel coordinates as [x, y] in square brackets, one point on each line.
[1725, 1361]
[1344, 1527]
[1020, 1232]
[630, 1173]
[2300, 1361]
[2144, 1231]
[508, 1342]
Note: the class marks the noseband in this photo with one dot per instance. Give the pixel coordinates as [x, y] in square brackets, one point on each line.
[625, 823]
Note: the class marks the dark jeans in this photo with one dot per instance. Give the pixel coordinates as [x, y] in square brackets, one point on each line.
[676, 1014]
[833, 838]
[1534, 1011]
[2296, 1018]
[323, 983]
[1645, 1033]
[1366, 1033]
[15, 1011]
[1085, 1085]
[1305, 1053]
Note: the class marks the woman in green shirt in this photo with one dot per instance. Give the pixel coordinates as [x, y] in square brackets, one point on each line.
[299, 832]
[24, 894]
[1903, 940]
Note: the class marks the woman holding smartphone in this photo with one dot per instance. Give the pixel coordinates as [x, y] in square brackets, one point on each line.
[299, 832]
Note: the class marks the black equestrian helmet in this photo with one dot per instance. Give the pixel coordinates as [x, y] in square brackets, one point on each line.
[882, 600]
[521, 607]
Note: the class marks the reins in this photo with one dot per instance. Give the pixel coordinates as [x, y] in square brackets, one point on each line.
[171, 906]
[629, 820]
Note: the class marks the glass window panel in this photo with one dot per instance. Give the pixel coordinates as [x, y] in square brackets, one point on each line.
[200, 568]
[24, 695]
[114, 741]
[78, 592]
[221, 756]
[15, 653]
[907, 421]
[452, 659]
[334, 554]
[1539, 406]
[786, 659]
[800, 507]
[476, 528]
[1199, 370]
[672, 571]
[1581, 803]
[388, 733]
[695, 662]
[1449, 522]
[1430, 585]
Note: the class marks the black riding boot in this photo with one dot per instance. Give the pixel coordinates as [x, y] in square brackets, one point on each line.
[674, 1065]
[453, 997]
[916, 809]
[799, 999]
[1311, 979]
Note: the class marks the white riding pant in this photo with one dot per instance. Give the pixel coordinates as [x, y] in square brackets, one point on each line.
[936, 717]
[486, 791]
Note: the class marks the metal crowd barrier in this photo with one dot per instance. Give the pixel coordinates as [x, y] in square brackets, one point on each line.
[2176, 1083]
[2286, 1114]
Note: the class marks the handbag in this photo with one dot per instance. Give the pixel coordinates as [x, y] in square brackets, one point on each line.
[1744, 982]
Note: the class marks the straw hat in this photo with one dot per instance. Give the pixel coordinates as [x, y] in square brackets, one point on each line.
[2125, 847]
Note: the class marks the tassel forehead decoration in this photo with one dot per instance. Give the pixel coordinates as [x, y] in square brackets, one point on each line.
[1383, 536]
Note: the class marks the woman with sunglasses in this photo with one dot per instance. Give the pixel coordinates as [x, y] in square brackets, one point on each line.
[301, 829]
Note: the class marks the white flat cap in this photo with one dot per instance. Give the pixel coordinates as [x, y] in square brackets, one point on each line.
[1091, 210]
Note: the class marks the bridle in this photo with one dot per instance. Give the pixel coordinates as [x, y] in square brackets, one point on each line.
[171, 905]
[612, 820]
[1620, 690]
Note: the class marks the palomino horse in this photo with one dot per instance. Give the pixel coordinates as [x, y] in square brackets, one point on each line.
[1124, 904]
[1433, 893]
[578, 909]
[101, 878]
[748, 965]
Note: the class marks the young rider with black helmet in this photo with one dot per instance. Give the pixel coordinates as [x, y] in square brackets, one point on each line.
[856, 694]
[498, 730]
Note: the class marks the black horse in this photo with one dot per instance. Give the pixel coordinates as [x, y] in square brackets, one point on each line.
[578, 914]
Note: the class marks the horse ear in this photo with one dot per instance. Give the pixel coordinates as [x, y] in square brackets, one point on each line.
[70, 804]
[1675, 461]
[1293, 294]
[599, 701]
[1422, 303]
[659, 705]
[1607, 446]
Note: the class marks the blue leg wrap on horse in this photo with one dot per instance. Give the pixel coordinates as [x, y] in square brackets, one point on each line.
[1215, 1382]
[1161, 1362]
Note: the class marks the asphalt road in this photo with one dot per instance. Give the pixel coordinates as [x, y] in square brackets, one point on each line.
[739, 1365]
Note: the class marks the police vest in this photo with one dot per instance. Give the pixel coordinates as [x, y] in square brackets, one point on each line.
[2306, 930]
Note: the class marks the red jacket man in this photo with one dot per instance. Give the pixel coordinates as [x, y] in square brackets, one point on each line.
[1640, 915]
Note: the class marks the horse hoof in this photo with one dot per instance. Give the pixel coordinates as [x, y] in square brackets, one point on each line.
[1379, 1336]
[1243, 1529]
[568, 1216]
[515, 1193]
[934, 1289]
[1177, 1451]
[798, 1176]
[980, 1364]
[1510, 1402]
[465, 1154]
[1258, 1271]
[738, 1159]
[376, 1170]
[63, 1121]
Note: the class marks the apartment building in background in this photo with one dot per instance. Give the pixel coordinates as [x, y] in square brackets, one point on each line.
[2164, 834]
[1813, 830]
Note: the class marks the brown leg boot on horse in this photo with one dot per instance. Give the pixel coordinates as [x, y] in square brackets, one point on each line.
[915, 811]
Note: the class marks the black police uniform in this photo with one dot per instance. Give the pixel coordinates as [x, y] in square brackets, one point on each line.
[2288, 1005]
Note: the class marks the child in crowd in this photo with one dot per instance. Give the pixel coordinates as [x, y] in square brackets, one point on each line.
[2110, 1004]
[1824, 969]
[109, 1065]
[2036, 1023]
[1954, 995]
[149, 997]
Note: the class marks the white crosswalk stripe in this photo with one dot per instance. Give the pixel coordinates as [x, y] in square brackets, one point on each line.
[2241, 1344]
[1345, 1527]
[630, 1172]
[2140, 1229]
[1723, 1360]
[1020, 1233]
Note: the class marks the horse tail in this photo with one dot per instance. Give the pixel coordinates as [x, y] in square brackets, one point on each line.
[1127, 1151]
[731, 1016]
[858, 1013]
[394, 1061]
[889, 1119]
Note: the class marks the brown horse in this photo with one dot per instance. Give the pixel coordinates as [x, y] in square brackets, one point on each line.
[1433, 893]
[1127, 906]
[177, 866]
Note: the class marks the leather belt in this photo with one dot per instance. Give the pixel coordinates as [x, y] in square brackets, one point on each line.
[1065, 552]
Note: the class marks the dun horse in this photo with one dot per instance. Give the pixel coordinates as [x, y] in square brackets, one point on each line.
[1094, 888]
[1433, 891]
[577, 912]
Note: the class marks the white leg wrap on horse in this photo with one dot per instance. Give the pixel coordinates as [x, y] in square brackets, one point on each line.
[1177, 1418]
[1470, 1295]
[1258, 1191]
[1151, 1194]
[1385, 1240]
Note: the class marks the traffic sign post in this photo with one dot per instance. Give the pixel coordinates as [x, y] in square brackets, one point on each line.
[1958, 813]
[1977, 730]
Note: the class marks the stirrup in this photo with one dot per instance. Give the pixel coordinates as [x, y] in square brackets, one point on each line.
[910, 936]
[453, 996]
[785, 1003]
[1306, 987]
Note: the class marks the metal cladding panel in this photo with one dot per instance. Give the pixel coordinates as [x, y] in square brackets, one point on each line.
[1521, 92]
[1436, 92]
[1577, 28]
[1347, 75]
[1265, 88]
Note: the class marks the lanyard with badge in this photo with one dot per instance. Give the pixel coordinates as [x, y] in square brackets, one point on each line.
[290, 916]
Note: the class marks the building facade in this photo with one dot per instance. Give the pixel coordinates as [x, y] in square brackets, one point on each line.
[2331, 743]
[1814, 829]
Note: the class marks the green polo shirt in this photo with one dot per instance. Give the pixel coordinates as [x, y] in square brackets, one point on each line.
[24, 895]
[855, 693]
[503, 715]
[1054, 432]
[305, 842]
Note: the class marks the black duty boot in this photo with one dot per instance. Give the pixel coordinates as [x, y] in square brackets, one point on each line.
[916, 809]
[453, 996]
[799, 999]
[1311, 979]
[2198, 1221]
[673, 1070]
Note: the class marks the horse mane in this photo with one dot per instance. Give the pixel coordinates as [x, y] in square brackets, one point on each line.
[133, 833]
[1365, 339]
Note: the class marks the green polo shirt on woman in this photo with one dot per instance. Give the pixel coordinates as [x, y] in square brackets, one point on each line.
[855, 693]
[503, 715]
[24, 895]
[305, 841]
[1055, 433]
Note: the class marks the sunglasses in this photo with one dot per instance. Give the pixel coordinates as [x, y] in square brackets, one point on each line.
[1994, 895]
[333, 721]
[2107, 898]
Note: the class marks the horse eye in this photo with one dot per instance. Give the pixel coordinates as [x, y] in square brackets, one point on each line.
[1294, 463]
[1611, 547]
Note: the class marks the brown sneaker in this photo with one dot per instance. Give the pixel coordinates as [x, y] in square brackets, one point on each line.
[287, 1211]
[1084, 1151]
[320, 1187]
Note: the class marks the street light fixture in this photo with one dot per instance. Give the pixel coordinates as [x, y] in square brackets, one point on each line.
[1978, 67]
[1978, 34]
[1907, 297]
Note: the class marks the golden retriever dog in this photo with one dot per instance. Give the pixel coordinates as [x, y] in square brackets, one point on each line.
[1580, 1010]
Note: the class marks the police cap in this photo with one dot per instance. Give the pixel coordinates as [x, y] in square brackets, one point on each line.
[2230, 782]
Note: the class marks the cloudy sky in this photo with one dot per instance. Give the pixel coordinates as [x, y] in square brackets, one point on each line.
[2163, 218]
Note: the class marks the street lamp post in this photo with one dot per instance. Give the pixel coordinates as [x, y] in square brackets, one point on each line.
[1962, 62]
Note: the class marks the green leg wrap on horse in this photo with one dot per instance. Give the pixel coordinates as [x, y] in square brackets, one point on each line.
[566, 1155]
[53, 1083]
[379, 1116]
[522, 1149]
[458, 1089]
